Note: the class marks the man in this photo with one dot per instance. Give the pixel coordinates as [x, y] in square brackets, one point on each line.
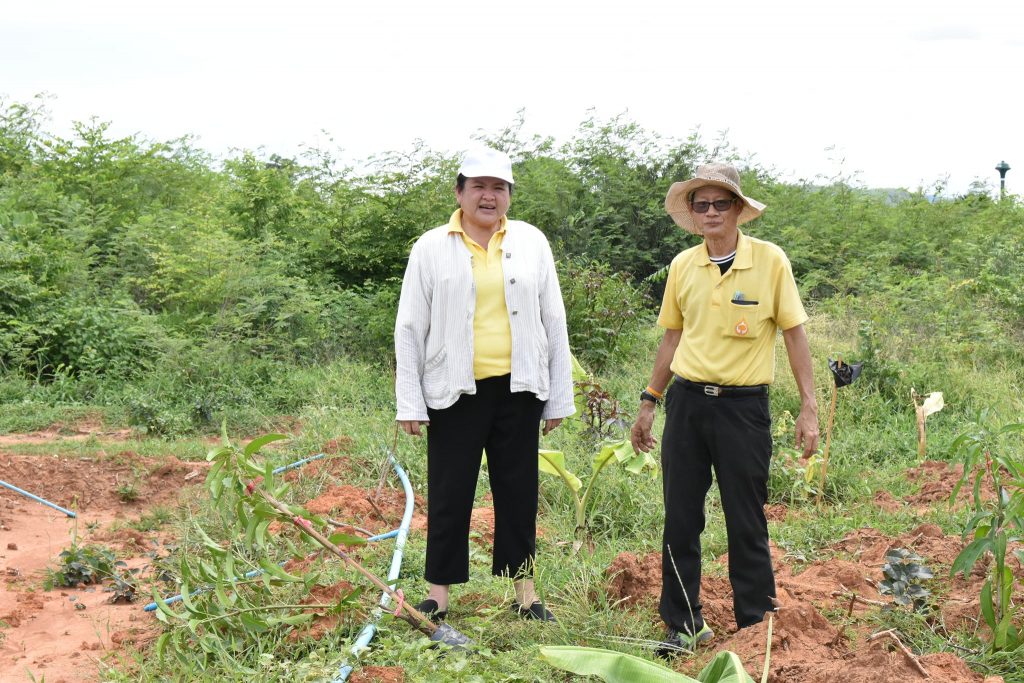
[724, 300]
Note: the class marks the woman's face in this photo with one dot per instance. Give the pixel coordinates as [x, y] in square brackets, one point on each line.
[484, 201]
[716, 225]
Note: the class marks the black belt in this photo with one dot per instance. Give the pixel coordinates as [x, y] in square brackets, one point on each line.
[723, 392]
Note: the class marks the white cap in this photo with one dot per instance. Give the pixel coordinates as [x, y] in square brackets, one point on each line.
[486, 162]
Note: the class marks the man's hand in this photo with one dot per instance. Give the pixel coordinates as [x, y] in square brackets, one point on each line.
[640, 435]
[807, 431]
[412, 427]
[549, 425]
[800, 360]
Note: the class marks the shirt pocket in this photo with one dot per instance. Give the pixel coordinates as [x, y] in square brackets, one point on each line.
[742, 319]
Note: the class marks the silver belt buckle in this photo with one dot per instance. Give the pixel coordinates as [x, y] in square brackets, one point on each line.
[712, 391]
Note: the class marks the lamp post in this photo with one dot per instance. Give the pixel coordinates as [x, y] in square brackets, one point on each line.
[1002, 167]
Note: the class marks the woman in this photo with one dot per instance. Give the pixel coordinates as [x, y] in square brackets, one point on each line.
[482, 356]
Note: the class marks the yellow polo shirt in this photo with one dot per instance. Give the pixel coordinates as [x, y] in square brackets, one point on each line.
[729, 322]
[492, 333]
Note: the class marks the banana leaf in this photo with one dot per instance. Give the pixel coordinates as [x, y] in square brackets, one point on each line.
[619, 667]
[553, 462]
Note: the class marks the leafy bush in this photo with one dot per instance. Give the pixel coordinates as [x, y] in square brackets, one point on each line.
[601, 306]
[359, 322]
[90, 336]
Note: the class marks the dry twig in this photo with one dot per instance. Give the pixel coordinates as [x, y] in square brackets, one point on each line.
[856, 598]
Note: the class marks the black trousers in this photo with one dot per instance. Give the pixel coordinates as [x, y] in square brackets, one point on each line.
[507, 426]
[731, 435]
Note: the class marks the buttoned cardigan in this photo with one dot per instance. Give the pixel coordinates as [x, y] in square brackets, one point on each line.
[434, 326]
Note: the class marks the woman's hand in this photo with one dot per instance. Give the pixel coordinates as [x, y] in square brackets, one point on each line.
[412, 427]
[549, 425]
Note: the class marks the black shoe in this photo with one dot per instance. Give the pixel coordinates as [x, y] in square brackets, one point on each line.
[676, 641]
[429, 609]
[535, 611]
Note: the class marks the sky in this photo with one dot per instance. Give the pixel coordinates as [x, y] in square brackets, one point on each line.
[894, 93]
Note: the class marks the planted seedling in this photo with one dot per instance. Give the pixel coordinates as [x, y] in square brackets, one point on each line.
[83, 565]
[604, 420]
[905, 575]
[996, 524]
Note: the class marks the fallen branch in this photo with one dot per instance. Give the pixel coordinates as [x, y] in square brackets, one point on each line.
[891, 633]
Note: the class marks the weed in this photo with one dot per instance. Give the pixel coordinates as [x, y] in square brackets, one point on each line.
[128, 492]
[153, 519]
[600, 411]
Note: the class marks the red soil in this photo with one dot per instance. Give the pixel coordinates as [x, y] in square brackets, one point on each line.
[806, 647]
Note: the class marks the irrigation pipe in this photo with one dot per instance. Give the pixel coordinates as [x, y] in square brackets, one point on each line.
[299, 463]
[36, 498]
[366, 635]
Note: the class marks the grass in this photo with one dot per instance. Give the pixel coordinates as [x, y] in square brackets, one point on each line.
[874, 443]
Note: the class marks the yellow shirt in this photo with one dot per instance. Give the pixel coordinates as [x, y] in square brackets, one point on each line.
[729, 322]
[492, 333]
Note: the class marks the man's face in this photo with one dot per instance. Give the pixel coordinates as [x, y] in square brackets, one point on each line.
[715, 224]
[484, 200]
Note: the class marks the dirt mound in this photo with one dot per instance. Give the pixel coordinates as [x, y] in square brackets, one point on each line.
[632, 579]
[379, 674]
[937, 480]
[357, 506]
[481, 525]
[887, 502]
[806, 648]
[824, 582]
[776, 512]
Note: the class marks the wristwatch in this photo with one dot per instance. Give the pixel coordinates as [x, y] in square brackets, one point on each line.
[648, 396]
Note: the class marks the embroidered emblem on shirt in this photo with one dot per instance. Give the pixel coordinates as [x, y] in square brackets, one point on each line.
[741, 327]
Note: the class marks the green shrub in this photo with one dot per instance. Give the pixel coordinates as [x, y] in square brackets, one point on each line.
[601, 308]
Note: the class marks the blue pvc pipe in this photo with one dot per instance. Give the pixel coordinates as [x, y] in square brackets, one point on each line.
[36, 498]
[366, 635]
[299, 463]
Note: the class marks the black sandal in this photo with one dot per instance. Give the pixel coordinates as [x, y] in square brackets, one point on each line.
[429, 609]
[535, 611]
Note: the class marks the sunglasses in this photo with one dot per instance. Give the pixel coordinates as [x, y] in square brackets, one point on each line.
[719, 204]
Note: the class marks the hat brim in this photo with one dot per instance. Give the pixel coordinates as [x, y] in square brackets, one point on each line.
[678, 206]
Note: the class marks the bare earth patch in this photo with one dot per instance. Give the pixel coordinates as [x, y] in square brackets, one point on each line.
[806, 647]
[72, 634]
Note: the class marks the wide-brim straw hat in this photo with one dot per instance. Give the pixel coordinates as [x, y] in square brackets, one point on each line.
[677, 202]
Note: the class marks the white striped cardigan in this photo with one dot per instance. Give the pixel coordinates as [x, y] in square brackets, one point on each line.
[434, 327]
